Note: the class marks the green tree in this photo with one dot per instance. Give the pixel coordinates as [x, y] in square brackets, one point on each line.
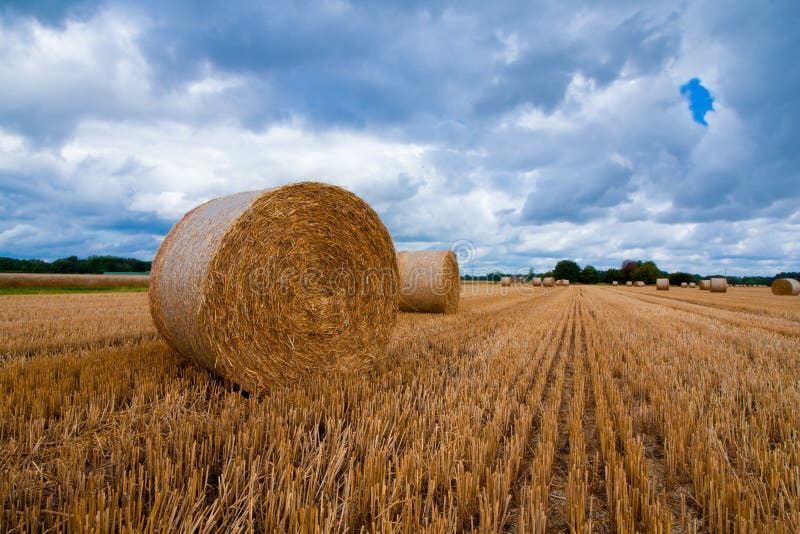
[648, 272]
[567, 270]
[589, 275]
[612, 275]
[678, 278]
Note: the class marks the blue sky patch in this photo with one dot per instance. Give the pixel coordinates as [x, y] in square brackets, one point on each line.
[700, 100]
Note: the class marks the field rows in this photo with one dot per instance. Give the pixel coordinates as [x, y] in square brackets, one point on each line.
[581, 409]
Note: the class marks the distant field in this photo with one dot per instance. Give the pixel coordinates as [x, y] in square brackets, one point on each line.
[584, 409]
[23, 283]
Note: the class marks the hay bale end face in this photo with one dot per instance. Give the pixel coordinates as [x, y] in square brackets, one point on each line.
[263, 288]
[505, 281]
[429, 281]
[662, 284]
[548, 281]
[718, 285]
[786, 286]
[536, 281]
[705, 285]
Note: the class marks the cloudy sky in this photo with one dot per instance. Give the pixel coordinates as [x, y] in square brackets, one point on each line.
[520, 133]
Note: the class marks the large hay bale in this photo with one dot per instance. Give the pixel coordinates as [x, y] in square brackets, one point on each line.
[614, 283]
[628, 283]
[429, 281]
[718, 285]
[536, 281]
[786, 286]
[705, 285]
[662, 284]
[505, 280]
[548, 281]
[265, 287]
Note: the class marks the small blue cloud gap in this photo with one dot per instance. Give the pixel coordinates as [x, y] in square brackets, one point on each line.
[700, 100]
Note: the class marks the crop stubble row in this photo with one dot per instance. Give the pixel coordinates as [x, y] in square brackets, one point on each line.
[579, 408]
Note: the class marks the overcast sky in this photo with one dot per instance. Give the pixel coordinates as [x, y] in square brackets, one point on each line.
[520, 133]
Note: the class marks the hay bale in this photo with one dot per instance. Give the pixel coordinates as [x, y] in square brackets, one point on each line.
[429, 281]
[786, 286]
[705, 285]
[628, 283]
[638, 284]
[692, 284]
[548, 281]
[718, 285]
[662, 284]
[564, 282]
[505, 281]
[265, 287]
[536, 281]
[684, 284]
[614, 283]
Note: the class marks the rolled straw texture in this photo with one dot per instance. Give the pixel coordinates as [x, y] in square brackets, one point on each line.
[262, 288]
[718, 285]
[429, 281]
[662, 284]
[786, 286]
[548, 281]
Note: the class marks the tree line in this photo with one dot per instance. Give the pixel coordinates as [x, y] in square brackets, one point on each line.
[74, 265]
[630, 270]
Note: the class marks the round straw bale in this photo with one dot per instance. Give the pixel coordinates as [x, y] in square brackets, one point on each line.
[718, 285]
[564, 282]
[662, 284]
[692, 284]
[548, 281]
[536, 281]
[639, 284]
[265, 287]
[786, 286]
[429, 281]
[684, 284]
[614, 283]
[505, 280]
[705, 285]
[628, 283]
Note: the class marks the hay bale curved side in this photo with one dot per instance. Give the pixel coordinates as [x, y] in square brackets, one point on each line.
[786, 286]
[662, 284]
[429, 281]
[549, 281]
[265, 287]
[692, 284]
[718, 285]
[505, 281]
[615, 283]
[536, 281]
[628, 283]
[684, 284]
[639, 284]
[704, 285]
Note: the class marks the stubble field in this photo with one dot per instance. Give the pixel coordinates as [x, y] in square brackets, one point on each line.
[584, 409]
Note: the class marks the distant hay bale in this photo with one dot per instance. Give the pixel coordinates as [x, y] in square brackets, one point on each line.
[639, 284]
[705, 285]
[684, 284]
[662, 284]
[614, 283]
[692, 284]
[536, 281]
[548, 281]
[786, 286]
[628, 283]
[265, 287]
[505, 281]
[718, 285]
[429, 281]
[564, 282]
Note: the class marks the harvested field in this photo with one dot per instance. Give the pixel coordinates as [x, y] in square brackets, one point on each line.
[72, 281]
[616, 409]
